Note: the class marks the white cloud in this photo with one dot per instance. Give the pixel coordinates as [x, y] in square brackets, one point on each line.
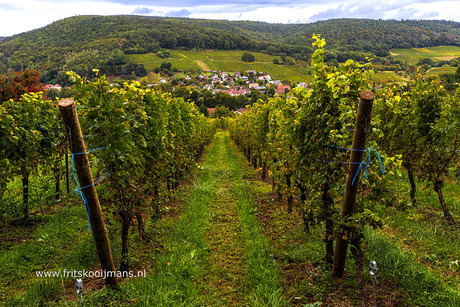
[31, 14]
[449, 10]
[282, 14]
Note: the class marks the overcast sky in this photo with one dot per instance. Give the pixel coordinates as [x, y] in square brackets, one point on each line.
[24, 15]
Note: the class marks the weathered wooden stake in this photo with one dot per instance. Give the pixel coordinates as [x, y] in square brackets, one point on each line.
[85, 178]
[363, 120]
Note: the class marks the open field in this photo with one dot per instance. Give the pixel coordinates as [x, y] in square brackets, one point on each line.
[442, 70]
[228, 61]
[436, 53]
[151, 60]
[387, 76]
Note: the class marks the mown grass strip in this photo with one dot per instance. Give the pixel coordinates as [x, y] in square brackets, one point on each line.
[264, 283]
[226, 272]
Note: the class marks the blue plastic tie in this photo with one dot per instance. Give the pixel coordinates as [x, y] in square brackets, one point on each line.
[77, 190]
[76, 185]
[91, 150]
[449, 148]
[96, 181]
[368, 162]
[357, 172]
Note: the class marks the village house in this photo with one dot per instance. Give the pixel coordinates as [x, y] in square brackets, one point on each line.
[211, 110]
[235, 91]
[265, 78]
[215, 78]
[202, 78]
[51, 86]
[236, 74]
[207, 87]
[282, 89]
[228, 79]
[253, 85]
[275, 82]
[303, 85]
[240, 111]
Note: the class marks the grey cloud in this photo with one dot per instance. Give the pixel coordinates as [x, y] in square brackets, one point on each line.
[340, 11]
[181, 13]
[416, 14]
[369, 10]
[143, 11]
[231, 8]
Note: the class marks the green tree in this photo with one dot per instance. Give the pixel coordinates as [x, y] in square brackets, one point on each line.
[204, 110]
[247, 57]
[141, 71]
[271, 91]
[428, 61]
[222, 111]
[165, 66]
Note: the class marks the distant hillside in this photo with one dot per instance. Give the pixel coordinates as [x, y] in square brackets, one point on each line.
[84, 42]
[365, 35]
[378, 36]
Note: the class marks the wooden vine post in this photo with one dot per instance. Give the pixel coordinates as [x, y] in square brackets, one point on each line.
[363, 120]
[85, 178]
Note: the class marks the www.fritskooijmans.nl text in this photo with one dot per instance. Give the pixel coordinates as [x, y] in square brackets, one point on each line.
[89, 274]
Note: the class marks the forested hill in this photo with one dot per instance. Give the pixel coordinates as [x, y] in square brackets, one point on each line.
[378, 36]
[368, 35]
[103, 41]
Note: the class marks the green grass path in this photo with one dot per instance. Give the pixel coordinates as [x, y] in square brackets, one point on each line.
[217, 255]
